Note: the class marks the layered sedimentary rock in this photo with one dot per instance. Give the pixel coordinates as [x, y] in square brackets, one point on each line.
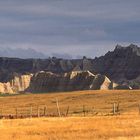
[101, 82]
[87, 64]
[75, 80]
[122, 65]
[6, 88]
[18, 84]
[51, 82]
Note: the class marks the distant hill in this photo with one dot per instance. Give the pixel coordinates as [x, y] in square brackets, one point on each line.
[44, 82]
[122, 66]
[21, 53]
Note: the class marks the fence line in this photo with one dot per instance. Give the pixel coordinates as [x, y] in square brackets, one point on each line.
[43, 111]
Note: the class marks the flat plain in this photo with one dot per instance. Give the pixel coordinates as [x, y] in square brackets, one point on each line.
[97, 122]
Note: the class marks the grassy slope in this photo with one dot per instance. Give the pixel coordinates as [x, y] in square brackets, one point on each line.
[123, 127]
[100, 100]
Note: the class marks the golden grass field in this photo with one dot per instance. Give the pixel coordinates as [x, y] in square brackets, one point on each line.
[97, 101]
[101, 126]
[72, 128]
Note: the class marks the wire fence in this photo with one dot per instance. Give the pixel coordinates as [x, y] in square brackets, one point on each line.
[57, 111]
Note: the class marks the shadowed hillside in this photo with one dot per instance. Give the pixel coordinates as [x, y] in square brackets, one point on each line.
[121, 66]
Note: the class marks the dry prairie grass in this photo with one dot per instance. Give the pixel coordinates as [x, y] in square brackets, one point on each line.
[122, 127]
[101, 101]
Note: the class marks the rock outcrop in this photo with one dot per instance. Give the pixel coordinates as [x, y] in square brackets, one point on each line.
[50, 82]
[101, 82]
[75, 80]
[121, 66]
[18, 84]
[6, 88]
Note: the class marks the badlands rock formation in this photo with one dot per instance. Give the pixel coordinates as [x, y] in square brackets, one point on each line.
[122, 65]
[6, 88]
[75, 80]
[51, 82]
[18, 84]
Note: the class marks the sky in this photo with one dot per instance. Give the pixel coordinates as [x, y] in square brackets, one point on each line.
[69, 27]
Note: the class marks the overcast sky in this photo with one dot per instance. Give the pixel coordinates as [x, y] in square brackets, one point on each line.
[72, 27]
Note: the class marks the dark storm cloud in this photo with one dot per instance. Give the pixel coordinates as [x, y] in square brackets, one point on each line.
[75, 27]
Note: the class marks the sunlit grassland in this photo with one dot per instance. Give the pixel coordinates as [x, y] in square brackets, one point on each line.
[123, 127]
[101, 101]
[101, 126]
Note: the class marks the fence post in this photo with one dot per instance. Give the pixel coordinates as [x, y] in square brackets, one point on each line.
[84, 110]
[118, 108]
[31, 110]
[114, 108]
[1, 117]
[45, 109]
[139, 108]
[1, 113]
[58, 109]
[93, 110]
[67, 111]
[38, 112]
[16, 113]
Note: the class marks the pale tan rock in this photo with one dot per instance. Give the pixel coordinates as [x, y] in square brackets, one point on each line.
[106, 84]
[50, 82]
[114, 85]
[6, 88]
[75, 80]
[20, 82]
[100, 82]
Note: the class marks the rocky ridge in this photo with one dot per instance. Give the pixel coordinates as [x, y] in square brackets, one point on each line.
[50, 82]
[16, 85]
[122, 66]
[71, 81]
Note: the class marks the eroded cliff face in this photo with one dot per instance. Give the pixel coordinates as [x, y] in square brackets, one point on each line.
[122, 65]
[101, 82]
[18, 84]
[75, 80]
[6, 88]
[50, 82]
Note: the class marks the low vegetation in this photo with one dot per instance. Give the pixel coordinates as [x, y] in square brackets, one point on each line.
[98, 122]
[100, 102]
[124, 127]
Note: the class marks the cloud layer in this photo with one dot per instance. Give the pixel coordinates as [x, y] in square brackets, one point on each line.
[73, 27]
